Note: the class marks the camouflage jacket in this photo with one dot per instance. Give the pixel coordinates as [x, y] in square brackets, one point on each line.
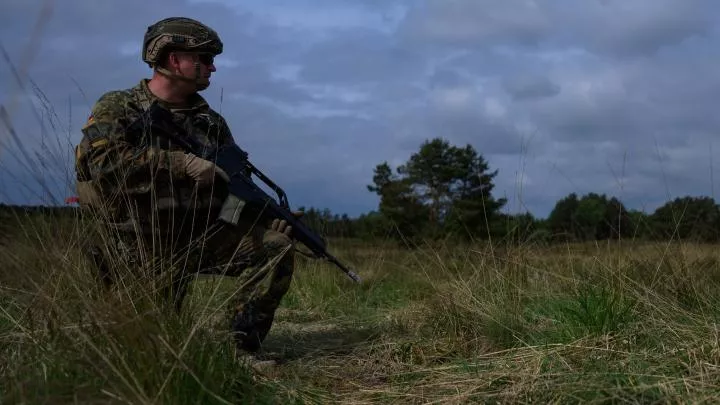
[116, 169]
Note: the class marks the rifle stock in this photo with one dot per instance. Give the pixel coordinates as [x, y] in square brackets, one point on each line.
[234, 161]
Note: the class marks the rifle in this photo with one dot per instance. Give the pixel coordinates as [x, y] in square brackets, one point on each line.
[234, 161]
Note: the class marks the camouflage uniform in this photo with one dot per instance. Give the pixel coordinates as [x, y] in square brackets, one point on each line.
[155, 214]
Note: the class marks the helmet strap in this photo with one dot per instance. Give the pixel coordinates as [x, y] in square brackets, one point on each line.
[197, 79]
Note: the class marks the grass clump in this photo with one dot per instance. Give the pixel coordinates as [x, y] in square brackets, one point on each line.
[64, 339]
[613, 323]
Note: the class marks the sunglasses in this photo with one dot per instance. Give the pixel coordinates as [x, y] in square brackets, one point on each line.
[206, 58]
[202, 57]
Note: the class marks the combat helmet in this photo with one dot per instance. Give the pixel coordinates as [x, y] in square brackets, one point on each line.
[179, 33]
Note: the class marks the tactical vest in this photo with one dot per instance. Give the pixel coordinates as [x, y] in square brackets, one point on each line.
[201, 125]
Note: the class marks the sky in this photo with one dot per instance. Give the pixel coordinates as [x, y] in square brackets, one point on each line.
[617, 97]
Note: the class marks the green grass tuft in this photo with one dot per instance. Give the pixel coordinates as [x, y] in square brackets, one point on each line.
[612, 323]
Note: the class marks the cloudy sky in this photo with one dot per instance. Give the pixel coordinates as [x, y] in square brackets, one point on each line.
[611, 96]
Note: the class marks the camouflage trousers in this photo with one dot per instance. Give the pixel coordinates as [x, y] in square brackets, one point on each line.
[175, 251]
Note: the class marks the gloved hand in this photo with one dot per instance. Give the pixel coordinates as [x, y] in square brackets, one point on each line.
[280, 225]
[203, 171]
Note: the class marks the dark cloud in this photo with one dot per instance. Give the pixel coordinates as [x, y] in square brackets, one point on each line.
[530, 87]
[614, 27]
[640, 28]
[444, 77]
[256, 80]
[358, 57]
[476, 23]
[482, 124]
[567, 96]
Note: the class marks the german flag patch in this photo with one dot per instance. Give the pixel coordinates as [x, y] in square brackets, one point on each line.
[90, 121]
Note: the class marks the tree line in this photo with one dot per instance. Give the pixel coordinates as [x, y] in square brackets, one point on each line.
[445, 192]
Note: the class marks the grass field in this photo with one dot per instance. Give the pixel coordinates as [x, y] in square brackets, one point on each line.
[619, 322]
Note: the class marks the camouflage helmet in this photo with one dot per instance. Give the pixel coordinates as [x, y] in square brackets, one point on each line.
[179, 33]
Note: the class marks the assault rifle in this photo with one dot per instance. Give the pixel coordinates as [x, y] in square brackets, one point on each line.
[234, 161]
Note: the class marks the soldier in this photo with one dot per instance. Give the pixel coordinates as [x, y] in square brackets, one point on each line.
[159, 205]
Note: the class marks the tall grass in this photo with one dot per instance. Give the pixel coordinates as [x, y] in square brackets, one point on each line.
[66, 339]
[630, 322]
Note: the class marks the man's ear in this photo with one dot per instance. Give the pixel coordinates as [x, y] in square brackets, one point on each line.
[172, 60]
[164, 60]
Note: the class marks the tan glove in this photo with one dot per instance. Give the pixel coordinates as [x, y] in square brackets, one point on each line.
[203, 171]
[282, 226]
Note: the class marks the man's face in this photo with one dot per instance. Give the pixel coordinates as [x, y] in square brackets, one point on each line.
[185, 65]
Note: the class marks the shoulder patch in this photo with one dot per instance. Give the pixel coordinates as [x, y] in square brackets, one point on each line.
[90, 121]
